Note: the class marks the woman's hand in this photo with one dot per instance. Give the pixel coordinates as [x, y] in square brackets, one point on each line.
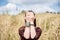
[29, 19]
[33, 32]
[26, 33]
[29, 30]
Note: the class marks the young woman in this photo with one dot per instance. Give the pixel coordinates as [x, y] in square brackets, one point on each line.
[30, 31]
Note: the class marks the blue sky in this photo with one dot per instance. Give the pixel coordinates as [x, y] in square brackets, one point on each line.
[3, 2]
[15, 6]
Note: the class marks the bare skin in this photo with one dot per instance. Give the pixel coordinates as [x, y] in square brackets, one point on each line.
[30, 30]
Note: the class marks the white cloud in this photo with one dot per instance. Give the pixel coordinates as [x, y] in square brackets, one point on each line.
[27, 2]
[35, 5]
[38, 8]
[11, 8]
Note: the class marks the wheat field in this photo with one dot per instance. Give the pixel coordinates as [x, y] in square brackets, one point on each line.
[49, 23]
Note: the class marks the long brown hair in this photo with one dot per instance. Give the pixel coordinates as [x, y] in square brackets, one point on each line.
[34, 19]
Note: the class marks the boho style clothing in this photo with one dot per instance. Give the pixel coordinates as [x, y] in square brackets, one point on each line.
[21, 33]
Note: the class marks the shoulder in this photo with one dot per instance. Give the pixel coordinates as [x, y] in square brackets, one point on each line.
[21, 28]
[38, 29]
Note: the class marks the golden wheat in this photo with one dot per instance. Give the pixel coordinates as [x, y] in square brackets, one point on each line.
[49, 23]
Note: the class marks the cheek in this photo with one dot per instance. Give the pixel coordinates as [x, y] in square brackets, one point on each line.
[27, 16]
[30, 16]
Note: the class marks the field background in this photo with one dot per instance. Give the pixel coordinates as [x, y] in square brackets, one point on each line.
[49, 23]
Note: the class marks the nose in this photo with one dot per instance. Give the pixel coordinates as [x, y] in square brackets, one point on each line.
[28, 16]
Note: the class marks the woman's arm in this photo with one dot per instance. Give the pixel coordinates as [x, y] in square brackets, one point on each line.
[33, 32]
[38, 33]
[27, 33]
[21, 31]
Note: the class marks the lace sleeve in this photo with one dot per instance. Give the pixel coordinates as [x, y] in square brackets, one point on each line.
[21, 31]
[38, 33]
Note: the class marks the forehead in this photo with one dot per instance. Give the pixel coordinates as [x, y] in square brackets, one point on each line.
[28, 13]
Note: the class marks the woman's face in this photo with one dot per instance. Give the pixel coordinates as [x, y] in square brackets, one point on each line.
[29, 16]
